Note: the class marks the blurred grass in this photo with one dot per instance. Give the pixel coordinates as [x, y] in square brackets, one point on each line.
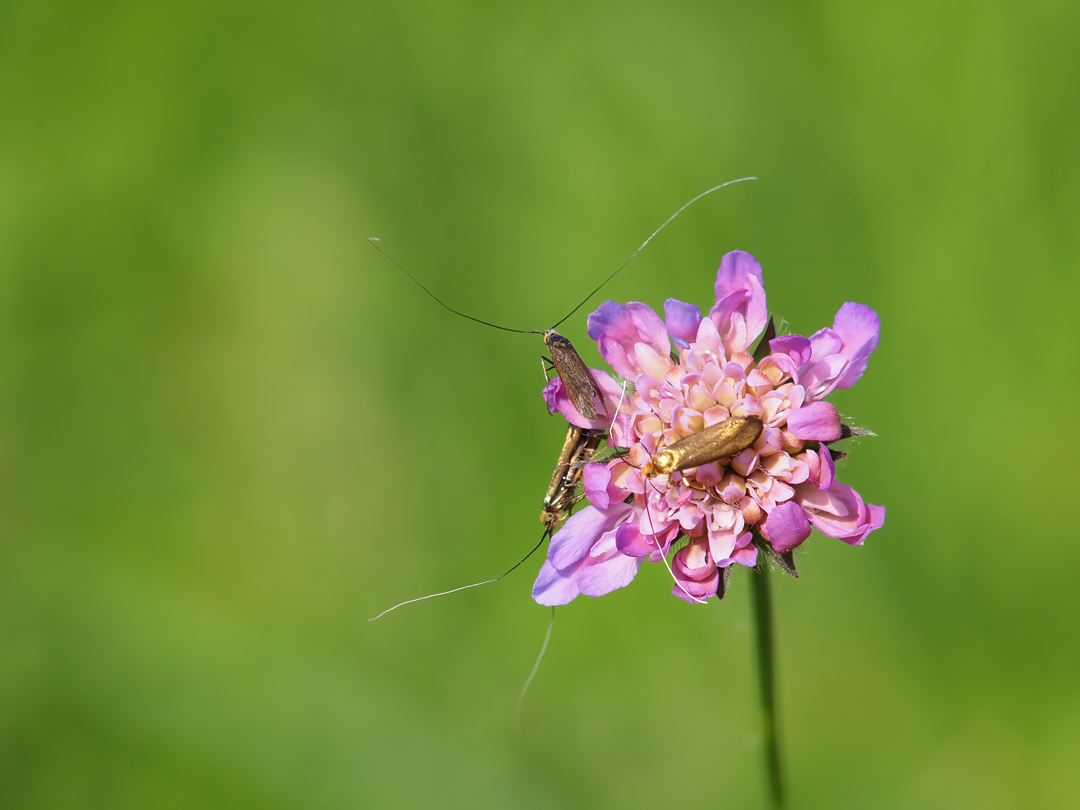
[230, 432]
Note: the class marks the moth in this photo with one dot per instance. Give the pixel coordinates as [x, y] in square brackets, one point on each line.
[724, 439]
[578, 449]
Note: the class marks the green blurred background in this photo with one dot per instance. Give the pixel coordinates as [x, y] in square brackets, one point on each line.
[230, 432]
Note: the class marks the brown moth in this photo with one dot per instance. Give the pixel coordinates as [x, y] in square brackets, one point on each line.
[578, 449]
[575, 375]
[724, 439]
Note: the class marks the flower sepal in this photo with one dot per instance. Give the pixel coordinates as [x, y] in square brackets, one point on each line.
[785, 562]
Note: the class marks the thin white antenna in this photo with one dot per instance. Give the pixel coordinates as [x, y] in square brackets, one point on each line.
[543, 537]
[529, 680]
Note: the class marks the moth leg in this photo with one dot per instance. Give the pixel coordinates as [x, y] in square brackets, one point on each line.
[613, 452]
[546, 365]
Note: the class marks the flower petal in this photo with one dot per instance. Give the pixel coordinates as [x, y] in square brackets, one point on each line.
[617, 571]
[740, 312]
[630, 541]
[796, 347]
[650, 361]
[821, 465]
[598, 487]
[682, 321]
[840, 354]
[553, 587]
[840, 512]
[617, 355]
[818, 421]
[827, 475]
[618, 328]
[787, 526]
[695, 573]
[858, 327]
[575, 538]
[746, 556]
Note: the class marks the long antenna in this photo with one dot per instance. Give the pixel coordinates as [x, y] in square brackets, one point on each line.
[543, 537]
[654, 233]
[532, 674]
[374, 240]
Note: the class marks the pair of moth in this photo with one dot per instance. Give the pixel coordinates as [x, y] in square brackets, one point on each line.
[722, 440]
[581, 444]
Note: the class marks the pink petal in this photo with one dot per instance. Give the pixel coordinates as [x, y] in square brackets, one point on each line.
[746, 556]
[695, 573]
[819, 377]
[821, 465]
[618, 357]
[824, 343]
[603, 577]
[650, 361]
[827, 474]
[858, 327]
[618, 328]
[630, 541]
[840, 354]
[682, 321]
[707, 340]
[818, 421]
[598, 487]
[740, 312]
[575, 538]
[787, 526]
[841, 513]
[553, 587]
[795, 347]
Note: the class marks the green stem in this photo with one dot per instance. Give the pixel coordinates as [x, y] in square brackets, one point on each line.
[767, 677]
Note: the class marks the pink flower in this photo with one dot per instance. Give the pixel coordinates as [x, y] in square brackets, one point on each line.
[773, 491]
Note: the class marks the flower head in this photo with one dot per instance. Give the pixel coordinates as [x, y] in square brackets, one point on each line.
[688, 373]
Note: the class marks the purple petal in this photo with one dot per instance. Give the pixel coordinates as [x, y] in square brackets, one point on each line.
[746, 556]
[841, 513]
[682, 321]
[618, 328]
[740, 312]
[651, 362]
[603, 577]
[597, 478]
[787, 526]
[875, 519]
[858, 327]
[823, 343]
[630, 541]
[819, 377]
[650, 327]
[822, 467]
[840, 354]
[827, 476]
[593, 575]
[575, 538]
[695, 573]
[796, 347]
[618, 357]
[553, 587]
[818, 421]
